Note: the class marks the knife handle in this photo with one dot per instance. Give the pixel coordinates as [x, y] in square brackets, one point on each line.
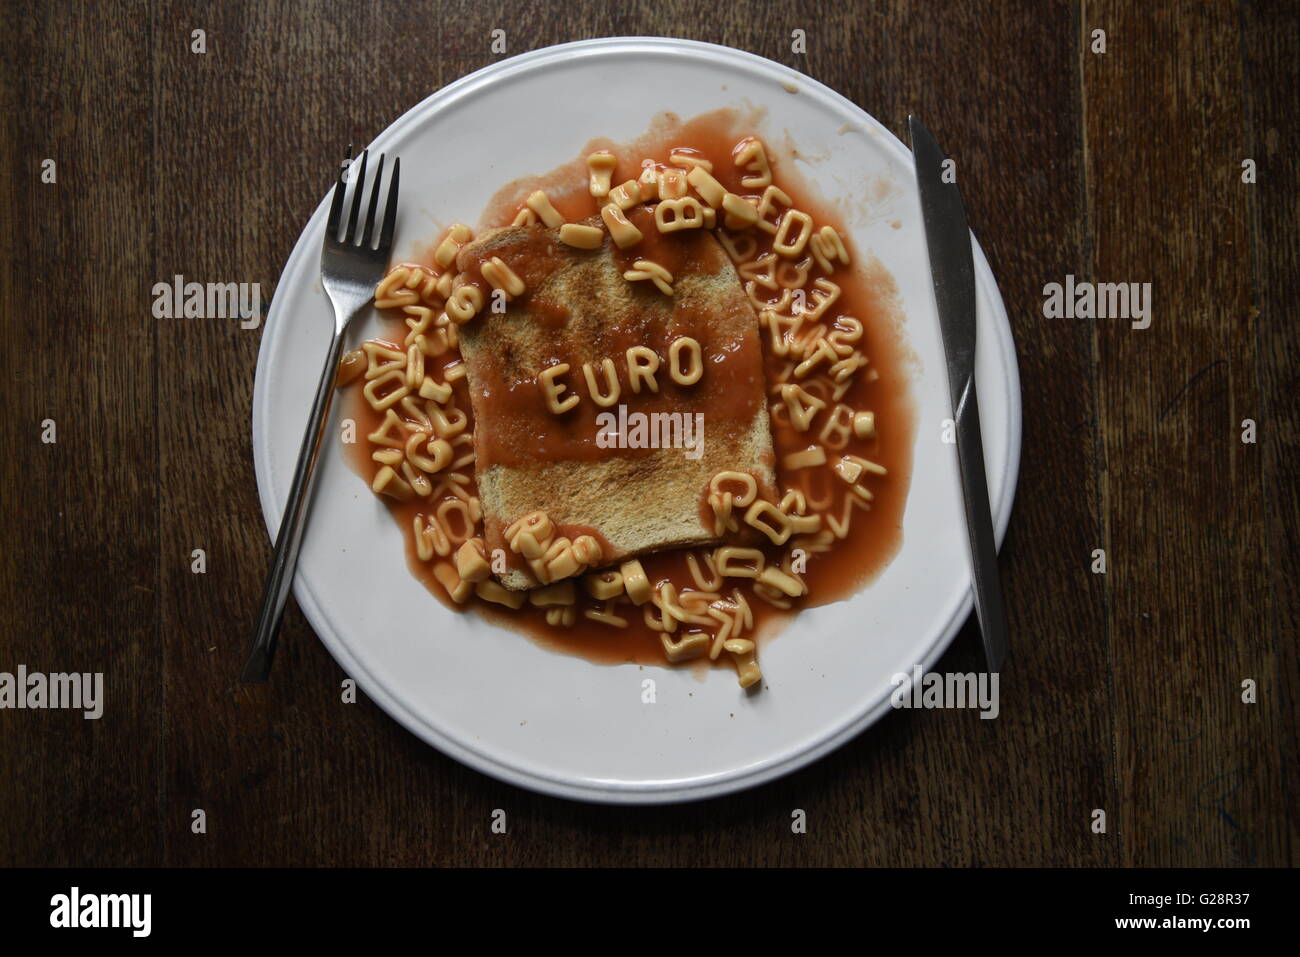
[979, 522]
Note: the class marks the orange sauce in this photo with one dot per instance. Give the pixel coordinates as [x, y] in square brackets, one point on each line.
[867, 293]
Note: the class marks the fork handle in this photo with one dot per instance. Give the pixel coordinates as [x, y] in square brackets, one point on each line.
[289, 539]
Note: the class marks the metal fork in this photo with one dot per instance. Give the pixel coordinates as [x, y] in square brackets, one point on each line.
[351, 266]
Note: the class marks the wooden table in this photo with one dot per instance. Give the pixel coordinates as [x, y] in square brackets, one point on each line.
[1124, 692]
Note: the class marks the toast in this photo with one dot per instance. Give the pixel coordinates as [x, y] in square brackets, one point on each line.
[578, 308]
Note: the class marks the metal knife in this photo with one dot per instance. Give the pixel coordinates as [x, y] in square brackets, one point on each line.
[947, 238]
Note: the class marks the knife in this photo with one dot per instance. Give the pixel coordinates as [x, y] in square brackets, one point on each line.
[947, 239]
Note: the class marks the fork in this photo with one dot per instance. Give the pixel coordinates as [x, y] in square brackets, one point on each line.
[351, 266]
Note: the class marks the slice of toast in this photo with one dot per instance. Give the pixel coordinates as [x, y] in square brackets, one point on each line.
[578, 308]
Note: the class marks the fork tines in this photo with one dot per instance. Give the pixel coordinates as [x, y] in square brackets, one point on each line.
[364, 238]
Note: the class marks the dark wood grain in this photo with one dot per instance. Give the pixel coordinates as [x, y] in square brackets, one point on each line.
[1270, 43]
[1188, 616]
[80, 585]
[1123, 689]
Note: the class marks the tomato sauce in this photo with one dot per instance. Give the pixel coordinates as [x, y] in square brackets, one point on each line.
[867, 293]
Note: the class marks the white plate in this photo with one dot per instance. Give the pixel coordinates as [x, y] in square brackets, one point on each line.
[492, 698]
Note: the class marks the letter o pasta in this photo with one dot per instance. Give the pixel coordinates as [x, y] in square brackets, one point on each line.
[687, 373]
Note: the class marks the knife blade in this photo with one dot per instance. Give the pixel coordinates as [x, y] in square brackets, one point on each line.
[952, 269]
